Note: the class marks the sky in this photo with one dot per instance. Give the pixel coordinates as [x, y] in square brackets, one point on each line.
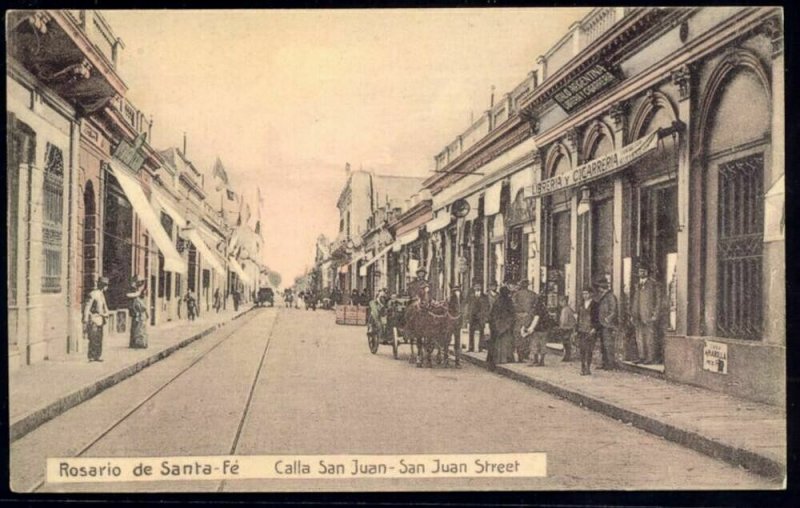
[286, 97]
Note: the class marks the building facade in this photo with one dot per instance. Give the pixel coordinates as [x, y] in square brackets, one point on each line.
[644, 138]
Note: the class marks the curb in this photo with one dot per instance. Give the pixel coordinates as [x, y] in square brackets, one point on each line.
[35, 419]
[731, 454]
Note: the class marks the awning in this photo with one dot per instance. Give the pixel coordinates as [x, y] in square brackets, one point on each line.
[441, 221]
[491, 200]
[775, 212]
[473, 207]
[164, 203]
[358, 257]
[205, 251]
[409, 237]
[520, 181]
[378, 255]
[173, 262]
[237, 269]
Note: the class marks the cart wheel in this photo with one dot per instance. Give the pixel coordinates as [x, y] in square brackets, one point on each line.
[372, 339]
[394, 342]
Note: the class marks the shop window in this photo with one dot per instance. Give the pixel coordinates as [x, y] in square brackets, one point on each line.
[740, 230]
[52, 219]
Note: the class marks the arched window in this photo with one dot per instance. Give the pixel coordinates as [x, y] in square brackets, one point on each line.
[737, 145]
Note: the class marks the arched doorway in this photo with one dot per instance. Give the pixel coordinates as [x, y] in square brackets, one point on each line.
[91, 240]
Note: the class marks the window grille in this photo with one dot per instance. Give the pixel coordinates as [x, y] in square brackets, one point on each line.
[740, 247]
[53, 218]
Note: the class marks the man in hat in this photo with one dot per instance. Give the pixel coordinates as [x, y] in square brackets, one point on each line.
[645, 309]
[95, 314]
[417, 288]
[477, 314]
[524, 306]
[607, 317]
[456, 307]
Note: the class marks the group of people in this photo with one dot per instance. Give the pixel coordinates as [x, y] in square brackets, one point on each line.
[520, 324]
[96, 314]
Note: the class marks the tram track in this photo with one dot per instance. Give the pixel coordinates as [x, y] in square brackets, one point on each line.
[205, 354]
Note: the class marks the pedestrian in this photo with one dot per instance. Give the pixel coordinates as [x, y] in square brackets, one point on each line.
[524, 305]
[566, 327]
[540, 328]
[587, 326]
[501, 326]
[355, 298]
[217, 300]
[364, 297]
[455, 307]
[646, 307]
[95, 317]
[235, 295]
[477, 315]
[191, 306]
[139, 315]
[607, 317]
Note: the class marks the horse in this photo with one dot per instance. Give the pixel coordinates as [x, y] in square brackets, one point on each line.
[430, 326]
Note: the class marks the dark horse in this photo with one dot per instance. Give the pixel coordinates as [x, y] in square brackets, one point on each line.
[430, 326]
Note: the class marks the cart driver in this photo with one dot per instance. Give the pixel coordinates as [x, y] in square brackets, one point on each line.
[419, 287]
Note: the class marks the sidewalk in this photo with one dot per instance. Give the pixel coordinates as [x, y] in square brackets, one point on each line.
[743, 433]
[40, 392]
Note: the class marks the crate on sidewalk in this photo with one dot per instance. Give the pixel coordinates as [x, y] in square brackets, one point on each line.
[351, 315]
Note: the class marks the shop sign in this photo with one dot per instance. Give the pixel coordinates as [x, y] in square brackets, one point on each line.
[584, 87]
[131, 154]
[597, 168]
[715, 357]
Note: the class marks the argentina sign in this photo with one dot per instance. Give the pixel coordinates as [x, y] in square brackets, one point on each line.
[584, 87]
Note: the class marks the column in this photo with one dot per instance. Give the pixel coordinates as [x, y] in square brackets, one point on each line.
[74, 270]
[774, 252]
[616, 262]
[485, 247]
[682, 78]
[572, 282]
[535, 258]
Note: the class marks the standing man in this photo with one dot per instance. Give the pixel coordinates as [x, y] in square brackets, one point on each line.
[477, 314]
[646, 307]
[587, 326]
[94, 317]
[607, 316]
[524, 305]
[456, 307]
[217, 301]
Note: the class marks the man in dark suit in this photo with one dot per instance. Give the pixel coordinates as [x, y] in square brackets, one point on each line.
[477, 314]
[607, 317]
[456, 307]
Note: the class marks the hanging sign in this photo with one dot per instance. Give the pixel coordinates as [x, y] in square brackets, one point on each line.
[131, 154]
[599, 167]
[715, 357]
[579, 90]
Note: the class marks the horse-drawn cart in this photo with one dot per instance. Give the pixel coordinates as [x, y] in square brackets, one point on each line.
[385, 324]
[427, 326]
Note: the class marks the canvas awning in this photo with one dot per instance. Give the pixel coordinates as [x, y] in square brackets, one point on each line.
[205, 251]
[491, 200]
[238, 270]
[409, 237]
[165, 204]
[378, 255]
[173, 262]
[441, 221]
